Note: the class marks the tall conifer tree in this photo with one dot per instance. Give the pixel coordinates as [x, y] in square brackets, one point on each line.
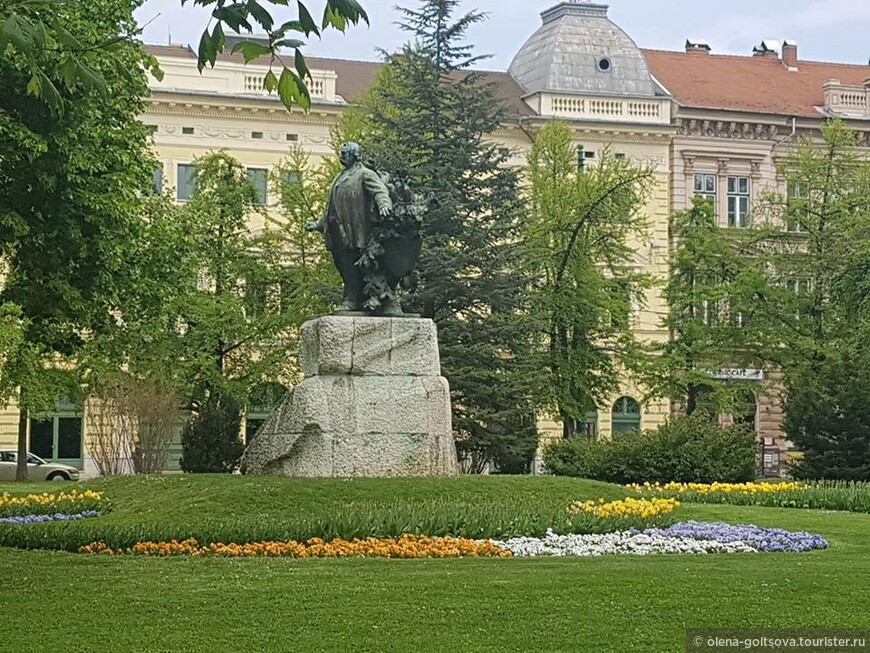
[429, 114]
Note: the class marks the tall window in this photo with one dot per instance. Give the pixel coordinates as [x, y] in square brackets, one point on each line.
[588, 428]
[801, 289]
[709, 312]
[738, 201]
[58, 435]
[705, 186]
[157, 179]
[186, 181]
[736, 315]
[259, 179]
[797, 208]
[625, 415]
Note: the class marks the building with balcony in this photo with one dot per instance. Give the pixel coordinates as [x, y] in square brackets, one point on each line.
[737, 118]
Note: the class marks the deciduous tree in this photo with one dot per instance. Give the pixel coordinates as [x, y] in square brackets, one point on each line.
[580, 234]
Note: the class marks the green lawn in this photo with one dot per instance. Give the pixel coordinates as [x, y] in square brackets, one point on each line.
[91, 603]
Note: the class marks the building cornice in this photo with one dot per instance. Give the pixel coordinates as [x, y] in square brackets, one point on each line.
[227, 109]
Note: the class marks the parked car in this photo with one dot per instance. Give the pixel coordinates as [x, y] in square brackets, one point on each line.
[37, 468]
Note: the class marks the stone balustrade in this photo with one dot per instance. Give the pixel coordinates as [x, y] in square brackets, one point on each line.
[653, 111]
[847, 100]
[233, 78]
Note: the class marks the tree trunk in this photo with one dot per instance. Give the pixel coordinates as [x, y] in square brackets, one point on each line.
[21, 466]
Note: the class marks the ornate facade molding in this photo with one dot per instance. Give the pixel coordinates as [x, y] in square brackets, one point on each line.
[317, 116]
[753, 131]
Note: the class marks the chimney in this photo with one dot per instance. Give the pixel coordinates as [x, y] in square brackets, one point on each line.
[768, 48]
[698, 46]
[790, 55]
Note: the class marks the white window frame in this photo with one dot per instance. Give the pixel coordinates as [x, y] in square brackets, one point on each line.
[264, 200]
[701, 185]
[738, 201]
[795, 191]
[178, 184]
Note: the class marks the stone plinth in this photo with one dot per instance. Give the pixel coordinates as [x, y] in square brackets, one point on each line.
[372, 403]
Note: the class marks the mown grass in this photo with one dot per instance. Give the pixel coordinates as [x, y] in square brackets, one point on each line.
[613, 604]
[223, 508]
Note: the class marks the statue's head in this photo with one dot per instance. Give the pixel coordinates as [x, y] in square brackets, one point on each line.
[350, 153]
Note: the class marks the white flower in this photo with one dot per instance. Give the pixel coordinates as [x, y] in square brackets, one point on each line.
[620, 542]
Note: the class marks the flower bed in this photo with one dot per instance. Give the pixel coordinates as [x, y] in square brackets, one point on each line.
[672, 488]
[762, 539]
[406, 546]
[820, 495]
[58, 516]
[643, 508]
[49, 503]
[684, 537]
[619, 543]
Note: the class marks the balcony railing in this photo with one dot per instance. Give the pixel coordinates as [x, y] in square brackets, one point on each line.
[230, 78]
[847, 100]
[654, 111]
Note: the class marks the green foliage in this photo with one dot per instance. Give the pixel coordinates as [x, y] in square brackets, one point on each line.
[822, 305]
[308, 279]
[826, 415]
[231, 319]
[718, 292]
[74, 163]
[580, 237]
[210, 442]
[59, 57]
[685, 449]
[238, 15]
[427, 116]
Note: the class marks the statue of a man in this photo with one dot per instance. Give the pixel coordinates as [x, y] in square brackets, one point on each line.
[358, 200]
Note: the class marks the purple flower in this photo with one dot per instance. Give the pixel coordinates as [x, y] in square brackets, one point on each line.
[763, 539]
[36, 519]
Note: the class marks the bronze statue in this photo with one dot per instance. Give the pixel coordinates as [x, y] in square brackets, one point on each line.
[372, 227]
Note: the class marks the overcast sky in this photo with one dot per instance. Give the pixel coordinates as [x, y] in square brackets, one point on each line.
[825, 30]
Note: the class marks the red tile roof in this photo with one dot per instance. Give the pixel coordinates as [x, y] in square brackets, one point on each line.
[756, 84]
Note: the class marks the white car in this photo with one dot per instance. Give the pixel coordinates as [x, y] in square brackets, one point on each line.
[37, 468]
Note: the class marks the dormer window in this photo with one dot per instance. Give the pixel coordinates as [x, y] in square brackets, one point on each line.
[604, 65]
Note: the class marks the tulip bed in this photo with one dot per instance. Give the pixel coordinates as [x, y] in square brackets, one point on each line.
[821, 495]
[49, 503]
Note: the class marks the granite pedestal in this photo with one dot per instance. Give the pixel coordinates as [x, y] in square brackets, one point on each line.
[372, 403]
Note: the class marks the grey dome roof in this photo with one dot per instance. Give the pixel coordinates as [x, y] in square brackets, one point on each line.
[566, 55]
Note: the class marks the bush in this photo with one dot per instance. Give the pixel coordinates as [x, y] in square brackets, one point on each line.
[210, 442]
[685, 449]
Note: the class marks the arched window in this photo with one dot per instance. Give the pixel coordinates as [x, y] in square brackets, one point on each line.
[625, 415]
[746, 411]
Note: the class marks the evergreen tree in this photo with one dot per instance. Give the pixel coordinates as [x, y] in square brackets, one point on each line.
[428, 115]
[210, 442]
[821, 265]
